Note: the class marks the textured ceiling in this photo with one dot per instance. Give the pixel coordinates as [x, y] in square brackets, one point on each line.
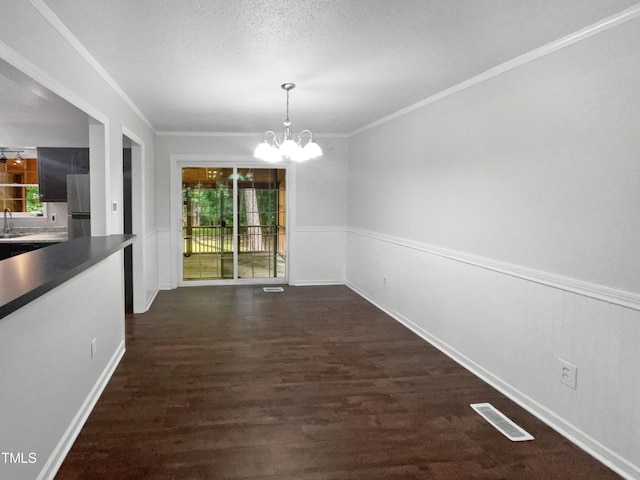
[217, 66]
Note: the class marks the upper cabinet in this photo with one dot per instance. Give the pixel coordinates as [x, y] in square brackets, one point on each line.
[54, 164]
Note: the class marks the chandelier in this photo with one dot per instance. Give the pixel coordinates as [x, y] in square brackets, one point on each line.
[274, 149]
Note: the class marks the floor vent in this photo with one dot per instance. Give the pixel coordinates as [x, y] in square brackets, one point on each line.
[273, 289]
[504, 425]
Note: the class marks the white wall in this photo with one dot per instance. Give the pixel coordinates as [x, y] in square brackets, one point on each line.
[43, 135]
[30, 43]
[49, 380]
[505, 219]
[318, 240]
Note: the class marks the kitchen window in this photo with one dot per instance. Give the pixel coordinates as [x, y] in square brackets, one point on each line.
[19, 186]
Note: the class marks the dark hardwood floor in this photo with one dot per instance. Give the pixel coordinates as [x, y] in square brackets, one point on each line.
[311, 384]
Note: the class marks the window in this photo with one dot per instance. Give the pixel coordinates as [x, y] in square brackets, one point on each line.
[19, 186]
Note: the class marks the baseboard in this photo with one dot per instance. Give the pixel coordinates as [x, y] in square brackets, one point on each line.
[316, 283]
[594, 448]
[151, 299]
[165, 286]
[58, 455]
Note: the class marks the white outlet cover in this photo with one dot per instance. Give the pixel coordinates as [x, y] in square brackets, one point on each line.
[567, 373]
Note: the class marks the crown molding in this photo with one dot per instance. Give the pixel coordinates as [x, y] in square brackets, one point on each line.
[31, 70]
[600, 26]
[208, 134]
[61, 28]
[239, 134]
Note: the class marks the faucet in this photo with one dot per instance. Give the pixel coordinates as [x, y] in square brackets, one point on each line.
[8, 226]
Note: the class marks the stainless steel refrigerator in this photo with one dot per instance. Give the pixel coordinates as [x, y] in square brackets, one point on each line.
[78, 206]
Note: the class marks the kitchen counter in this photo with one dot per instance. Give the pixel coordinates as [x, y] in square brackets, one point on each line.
[30, 275]
[39, 237]
[62, 335]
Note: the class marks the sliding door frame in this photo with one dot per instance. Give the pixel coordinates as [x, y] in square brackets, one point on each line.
[177, 163]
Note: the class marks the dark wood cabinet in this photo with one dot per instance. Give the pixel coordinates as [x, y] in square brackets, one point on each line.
[54, 164]
[11, 249]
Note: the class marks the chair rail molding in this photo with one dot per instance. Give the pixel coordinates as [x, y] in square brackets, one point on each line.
[591, 290]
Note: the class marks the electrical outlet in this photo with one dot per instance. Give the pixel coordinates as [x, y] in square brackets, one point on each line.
[567, 373]
[384, 280]
[53, 217]
[94, 347]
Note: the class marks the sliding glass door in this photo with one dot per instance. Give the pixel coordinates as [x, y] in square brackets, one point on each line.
[233, 224]
[261, 223]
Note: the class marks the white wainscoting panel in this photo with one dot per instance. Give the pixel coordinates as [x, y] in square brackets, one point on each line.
[150, 268]
[318, 256]
[510, 326]
[165, 259]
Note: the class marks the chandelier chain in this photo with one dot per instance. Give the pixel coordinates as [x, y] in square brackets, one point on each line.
[287, 120]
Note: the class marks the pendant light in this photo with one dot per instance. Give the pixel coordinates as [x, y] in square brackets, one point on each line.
[289, 146]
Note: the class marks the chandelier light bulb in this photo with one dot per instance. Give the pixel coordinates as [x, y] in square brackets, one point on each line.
[300, 155]
[312, 149]
[273, 155]
[262, 151]
[289, 148]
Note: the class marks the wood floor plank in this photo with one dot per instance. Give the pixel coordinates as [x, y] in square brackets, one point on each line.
[311, 384]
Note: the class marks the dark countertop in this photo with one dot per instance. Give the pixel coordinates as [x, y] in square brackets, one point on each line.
[27, 276]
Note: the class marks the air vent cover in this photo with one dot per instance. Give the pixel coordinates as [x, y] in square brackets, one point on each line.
[273, 289]
[501, 422]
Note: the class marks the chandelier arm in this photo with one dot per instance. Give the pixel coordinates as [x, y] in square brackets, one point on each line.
[274, 139]
[309, 132]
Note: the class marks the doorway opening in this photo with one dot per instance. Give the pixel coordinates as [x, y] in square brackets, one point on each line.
[127, 218]
[234, 226]
[136, 296]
